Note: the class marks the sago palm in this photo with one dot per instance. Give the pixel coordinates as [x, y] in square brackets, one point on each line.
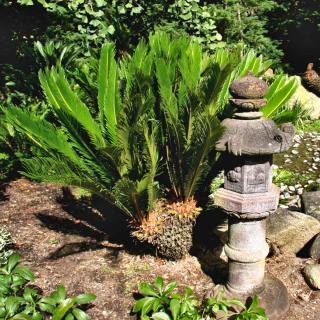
[193, 93]
[149, 144]
[113, 155]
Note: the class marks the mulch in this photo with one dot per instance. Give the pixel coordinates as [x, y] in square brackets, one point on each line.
[85, 246]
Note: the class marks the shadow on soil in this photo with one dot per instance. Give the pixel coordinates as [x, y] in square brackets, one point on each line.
[3, 195]
[208, 246]
[106, 227]
[91, 218]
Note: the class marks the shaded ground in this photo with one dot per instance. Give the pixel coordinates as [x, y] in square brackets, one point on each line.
[71, 243]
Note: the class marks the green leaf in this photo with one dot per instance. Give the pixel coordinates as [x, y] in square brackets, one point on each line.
[13, 262]
[108, 94]
[62, 309]
[161, 316]
[61, 292]
[280, 97]
[170, 287]
[85, 298]
[26, 2]
[159, 283]
[147, 305]
[21, 316]
[147, 290]
[144, 305]
[175, 308]
[254, 303]
[80, 315]
[25, 273]
[64, 99]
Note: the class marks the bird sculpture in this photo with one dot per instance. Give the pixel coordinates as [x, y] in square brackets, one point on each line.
[311, 80]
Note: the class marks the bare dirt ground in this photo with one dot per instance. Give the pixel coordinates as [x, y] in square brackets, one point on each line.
[67, 241]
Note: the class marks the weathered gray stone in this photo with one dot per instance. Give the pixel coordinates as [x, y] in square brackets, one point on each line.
[312, 275]
[252, 203]
[291, 230]
[248, 196]
[311, 203]
[315, 248]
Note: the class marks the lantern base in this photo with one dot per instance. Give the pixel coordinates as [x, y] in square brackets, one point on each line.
[273, 297]
[255, 204]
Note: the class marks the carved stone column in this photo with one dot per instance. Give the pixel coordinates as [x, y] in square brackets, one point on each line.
[249, 196]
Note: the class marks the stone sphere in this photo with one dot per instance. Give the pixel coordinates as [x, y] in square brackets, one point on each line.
[249, 87]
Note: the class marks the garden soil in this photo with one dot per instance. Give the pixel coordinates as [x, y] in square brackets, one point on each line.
[87, 248]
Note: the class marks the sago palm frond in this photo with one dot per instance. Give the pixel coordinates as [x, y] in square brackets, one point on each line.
[206, 133]
[41, 132]
[279, 93]
[108, 93]
[65, 101]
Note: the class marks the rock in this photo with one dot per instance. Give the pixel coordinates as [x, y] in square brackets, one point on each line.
[308, 101]
[311, 203]
[291, 230]
[294, 151]
[315, 248]
[286, 195]
[312, 275]
[300, 191]
[283, 188]
[292, 188]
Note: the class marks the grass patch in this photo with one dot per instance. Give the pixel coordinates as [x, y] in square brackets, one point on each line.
[312, 126]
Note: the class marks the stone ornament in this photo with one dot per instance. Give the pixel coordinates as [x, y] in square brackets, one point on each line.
[248, 196]
[258, 136]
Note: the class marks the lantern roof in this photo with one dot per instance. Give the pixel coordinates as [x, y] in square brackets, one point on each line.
[248, 132]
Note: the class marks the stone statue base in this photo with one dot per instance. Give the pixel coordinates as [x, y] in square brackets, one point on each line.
[247, 203]
[273, 297]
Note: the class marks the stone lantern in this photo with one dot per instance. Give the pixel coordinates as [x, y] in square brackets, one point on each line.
[248, 196]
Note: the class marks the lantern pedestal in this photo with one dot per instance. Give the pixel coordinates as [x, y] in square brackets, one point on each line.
[247, 249]
[273, 297]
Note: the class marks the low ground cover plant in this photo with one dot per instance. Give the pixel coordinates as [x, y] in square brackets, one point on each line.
[6, 245]
[142, 134]
[21, 301]
[162, 302]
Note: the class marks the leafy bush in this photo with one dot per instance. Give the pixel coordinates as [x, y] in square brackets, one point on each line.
[6, 245]
[126, 22]
[162, 302]
[89, 24]
[20, 301]
[145, 129]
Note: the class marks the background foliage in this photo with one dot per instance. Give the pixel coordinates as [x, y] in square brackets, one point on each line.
[42, 33]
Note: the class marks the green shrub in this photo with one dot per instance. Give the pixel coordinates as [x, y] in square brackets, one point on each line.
[19, 301]
[89, 24]
[6, 245]
[162, 302]
[145, 128]
[286, 177]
